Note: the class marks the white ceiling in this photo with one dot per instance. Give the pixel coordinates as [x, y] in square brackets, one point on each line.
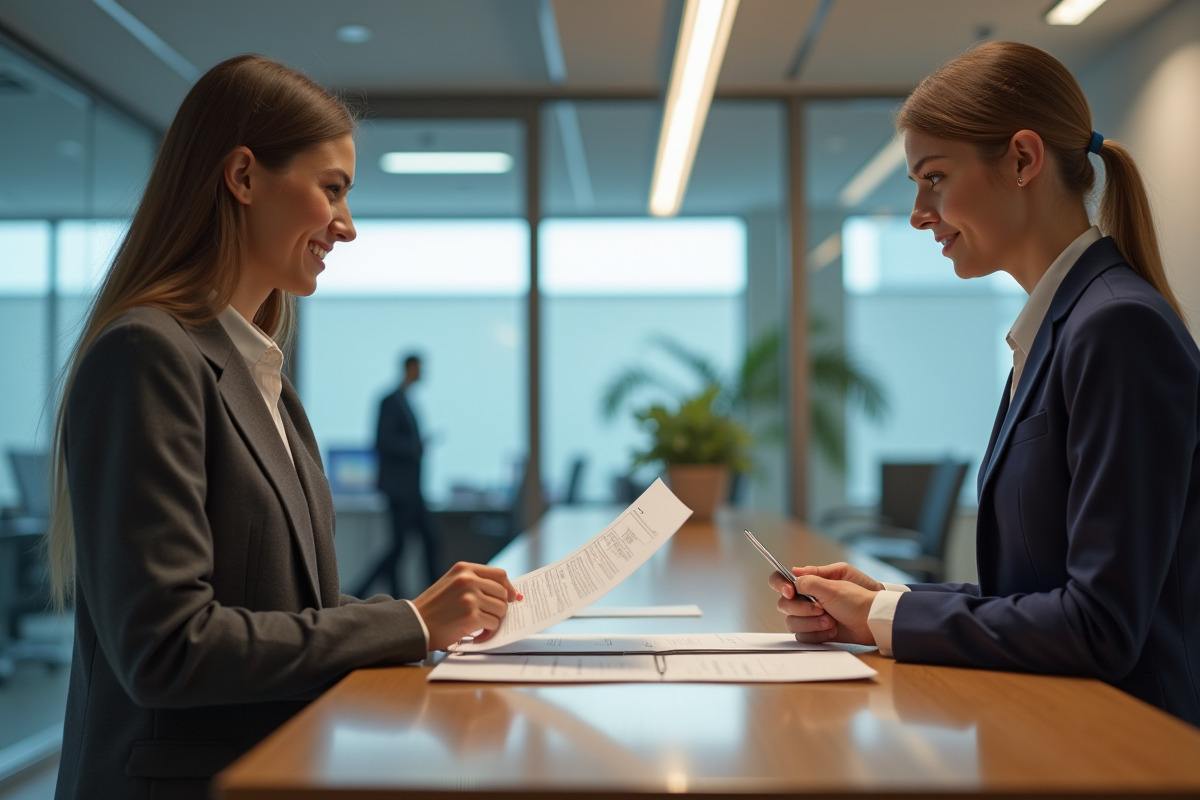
[506, 48]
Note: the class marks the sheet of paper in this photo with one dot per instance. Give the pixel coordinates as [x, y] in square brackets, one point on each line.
[555, 592]
[626, 644]
[822, 665]
[686, 610]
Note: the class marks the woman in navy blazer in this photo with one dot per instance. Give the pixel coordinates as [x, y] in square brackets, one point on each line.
[1088, 538]
[193, 525]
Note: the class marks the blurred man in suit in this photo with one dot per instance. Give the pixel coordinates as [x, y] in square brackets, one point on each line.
[400, 447]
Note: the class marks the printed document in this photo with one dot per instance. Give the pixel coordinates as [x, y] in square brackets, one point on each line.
[729, 667]
[557, 591]
[683, 610]
[660, 643]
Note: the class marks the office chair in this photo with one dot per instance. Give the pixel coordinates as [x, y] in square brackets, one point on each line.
[628, 487]
[23, 583]
[901, 492]
[737, 486]
[574, 481]
[527, 502]
[912, 528]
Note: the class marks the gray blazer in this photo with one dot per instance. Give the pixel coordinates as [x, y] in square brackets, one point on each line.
[207, 606]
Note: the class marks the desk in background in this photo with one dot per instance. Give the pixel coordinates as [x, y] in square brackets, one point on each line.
[913, 730]
[471, 529]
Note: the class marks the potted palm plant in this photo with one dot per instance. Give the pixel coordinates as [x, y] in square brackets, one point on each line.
[699, 445]
[755, 386]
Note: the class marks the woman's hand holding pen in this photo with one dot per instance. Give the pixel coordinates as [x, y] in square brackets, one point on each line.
[844, 596]
[468, 598]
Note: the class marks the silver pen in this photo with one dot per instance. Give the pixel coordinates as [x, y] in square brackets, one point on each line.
[784, 571]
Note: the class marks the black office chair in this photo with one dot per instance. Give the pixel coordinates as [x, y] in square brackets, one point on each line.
[571, 495]
[901, 492]
[911, 529]
[527, 501]
[23, 589]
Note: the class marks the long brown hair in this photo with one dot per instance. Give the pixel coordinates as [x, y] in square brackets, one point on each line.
[182, 251]
[996, 89]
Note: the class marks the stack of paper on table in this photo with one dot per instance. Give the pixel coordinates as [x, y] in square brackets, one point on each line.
[711, 657]
[558, 591]
[684, 610]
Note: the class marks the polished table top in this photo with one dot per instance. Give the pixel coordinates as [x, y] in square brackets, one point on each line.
[912, 730]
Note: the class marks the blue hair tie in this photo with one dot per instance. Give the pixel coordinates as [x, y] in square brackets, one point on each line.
[1094, 144]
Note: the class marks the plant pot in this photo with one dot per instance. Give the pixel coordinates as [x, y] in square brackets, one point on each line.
[701, 487]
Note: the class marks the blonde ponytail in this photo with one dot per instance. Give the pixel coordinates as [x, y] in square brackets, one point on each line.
[1125, 216]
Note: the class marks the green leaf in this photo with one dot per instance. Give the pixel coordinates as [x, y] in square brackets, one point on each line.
[703, 425]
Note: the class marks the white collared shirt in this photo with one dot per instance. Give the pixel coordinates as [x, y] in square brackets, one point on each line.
[265, 360]
[1020, 338]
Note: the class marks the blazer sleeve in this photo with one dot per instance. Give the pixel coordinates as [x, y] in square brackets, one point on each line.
[1129, 384]
[137, 455]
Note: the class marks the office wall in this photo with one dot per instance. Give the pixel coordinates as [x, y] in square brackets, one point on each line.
[1146, 93]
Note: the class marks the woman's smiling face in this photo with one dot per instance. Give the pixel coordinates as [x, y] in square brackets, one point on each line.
[964, 202]
[295, 218]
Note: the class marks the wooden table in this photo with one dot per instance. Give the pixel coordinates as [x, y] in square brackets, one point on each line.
[914, 730]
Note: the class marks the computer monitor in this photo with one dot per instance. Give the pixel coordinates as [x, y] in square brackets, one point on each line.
[351, 470]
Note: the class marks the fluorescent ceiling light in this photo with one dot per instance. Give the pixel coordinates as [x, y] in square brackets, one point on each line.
[698, 54]
[151, 40]
[826, 252]
[354, 34]
[429, 163]
[889, 158]
[1072, 12]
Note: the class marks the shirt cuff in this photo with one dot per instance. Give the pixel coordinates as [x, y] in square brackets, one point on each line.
[417, 614]
[879, 618]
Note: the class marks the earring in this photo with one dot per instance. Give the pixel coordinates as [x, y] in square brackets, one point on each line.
[1020, 181]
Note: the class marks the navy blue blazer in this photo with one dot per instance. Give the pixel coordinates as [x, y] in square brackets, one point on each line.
[1088, 539]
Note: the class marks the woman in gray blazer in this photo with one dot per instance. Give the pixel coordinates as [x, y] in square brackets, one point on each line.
[193, 525]
[1088, 534]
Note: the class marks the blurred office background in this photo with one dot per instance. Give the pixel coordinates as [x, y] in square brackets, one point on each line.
[529, 288]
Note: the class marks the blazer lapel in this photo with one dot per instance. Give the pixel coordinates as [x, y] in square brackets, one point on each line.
[1096, 259]
[316, 491]
[1035, 364]
[996, 426]
[249, 413]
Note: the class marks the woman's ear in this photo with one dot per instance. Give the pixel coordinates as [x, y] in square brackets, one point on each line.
[1028, 153]
[238, 166]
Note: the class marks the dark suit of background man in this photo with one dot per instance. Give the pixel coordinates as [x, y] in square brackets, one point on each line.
[398, 443]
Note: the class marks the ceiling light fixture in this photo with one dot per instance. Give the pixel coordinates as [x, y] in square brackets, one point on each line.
[889, 159]
[445, 163]
[826, 252]
[698, 54]
[354, 34]
[149, 39]
[1072, 12]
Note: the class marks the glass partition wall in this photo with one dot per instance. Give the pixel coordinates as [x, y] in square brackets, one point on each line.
[71, 168]
[622, 290]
